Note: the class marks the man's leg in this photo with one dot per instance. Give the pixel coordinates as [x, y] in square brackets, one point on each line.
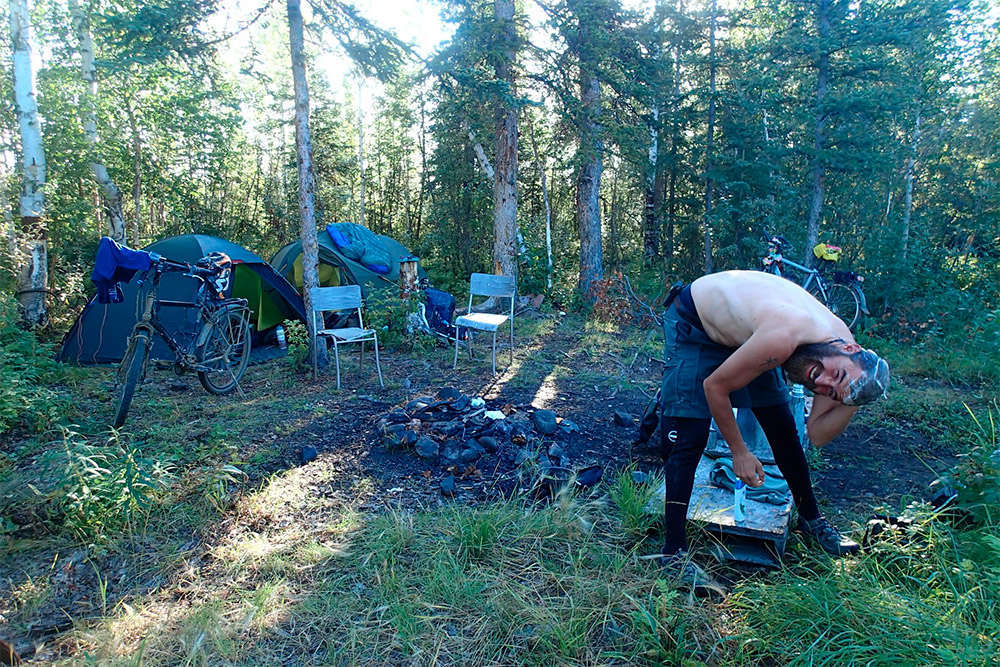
[684, 440]
[779, 427]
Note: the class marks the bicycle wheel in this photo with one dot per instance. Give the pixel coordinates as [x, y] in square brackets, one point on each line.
[226, 350]
[130, 374]
[844, 303]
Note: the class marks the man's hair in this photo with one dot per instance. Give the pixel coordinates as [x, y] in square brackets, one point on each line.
[796, 366]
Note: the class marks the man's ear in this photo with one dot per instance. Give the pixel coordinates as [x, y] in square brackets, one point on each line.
[851, 348]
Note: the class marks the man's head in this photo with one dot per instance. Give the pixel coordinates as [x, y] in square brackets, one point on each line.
[845, 372]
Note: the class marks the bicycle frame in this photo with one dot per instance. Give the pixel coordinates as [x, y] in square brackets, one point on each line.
[150, 323]
[813, 277]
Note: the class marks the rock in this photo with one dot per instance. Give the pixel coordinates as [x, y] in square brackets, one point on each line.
[426, 448]
[452, 428]
[569, 426]
[408, 438]
[307, 454]
[623, 418]
[545, 421]
[501, 428]
[472, 452]
[448, 486]
[397, 417]
[489, 443]
[418, 404]
[589, 476]
[450, 454]
[476, 403]
[177, 385]
[556, 452]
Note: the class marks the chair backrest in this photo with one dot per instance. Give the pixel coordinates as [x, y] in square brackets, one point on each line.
[487, 284]
[326, 299]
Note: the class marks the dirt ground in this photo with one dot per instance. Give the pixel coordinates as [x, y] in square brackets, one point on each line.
[866, 468]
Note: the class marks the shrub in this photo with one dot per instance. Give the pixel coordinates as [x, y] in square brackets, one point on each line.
[297, 338]
[391, 317]
[27, 375]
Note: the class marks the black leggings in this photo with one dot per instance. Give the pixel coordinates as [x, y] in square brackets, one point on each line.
[684, 441]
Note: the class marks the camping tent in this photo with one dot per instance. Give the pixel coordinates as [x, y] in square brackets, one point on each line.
[100, 334]
[352, 255]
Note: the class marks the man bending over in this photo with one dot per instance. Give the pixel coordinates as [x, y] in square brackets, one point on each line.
[726, 335]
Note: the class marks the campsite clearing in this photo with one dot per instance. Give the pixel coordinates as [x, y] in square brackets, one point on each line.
[239, 511]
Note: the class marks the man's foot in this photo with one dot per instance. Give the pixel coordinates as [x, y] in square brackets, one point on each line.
[686, 574]
[828, 537]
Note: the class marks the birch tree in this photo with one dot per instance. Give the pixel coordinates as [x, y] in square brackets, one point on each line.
[111, 192]
[33, 281]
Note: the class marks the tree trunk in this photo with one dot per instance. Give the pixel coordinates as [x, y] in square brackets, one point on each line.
[505, 176]
[32, 298]
[651, 226]
[112, 194]
[668, 251]
[307, 180]
[710, 142]
[588, 184]
[908, 192]
[817, 172]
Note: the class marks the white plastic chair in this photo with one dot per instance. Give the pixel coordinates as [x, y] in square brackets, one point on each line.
[348, 297]
[485, 284]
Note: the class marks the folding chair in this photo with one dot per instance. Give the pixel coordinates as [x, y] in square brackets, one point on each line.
[484, 284]
[326, 299]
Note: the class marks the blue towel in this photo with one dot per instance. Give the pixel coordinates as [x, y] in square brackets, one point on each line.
[774, 491]
[116, 264]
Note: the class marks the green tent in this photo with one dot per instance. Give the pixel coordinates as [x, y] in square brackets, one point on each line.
[101, 331]
[349, 254]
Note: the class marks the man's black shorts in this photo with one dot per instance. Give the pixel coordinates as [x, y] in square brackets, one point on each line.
[691, 356]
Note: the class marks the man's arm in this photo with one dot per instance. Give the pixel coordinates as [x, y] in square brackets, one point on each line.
[828, 419]
[762, 352]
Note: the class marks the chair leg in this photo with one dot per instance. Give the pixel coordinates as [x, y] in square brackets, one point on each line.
[378, 366]
[315, 343]
[361, 354]
[336, 357]
[454, 364]
[494, 353]
[512, 343]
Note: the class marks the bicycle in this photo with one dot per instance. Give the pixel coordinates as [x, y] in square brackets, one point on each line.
[219, 353]
[840, 291]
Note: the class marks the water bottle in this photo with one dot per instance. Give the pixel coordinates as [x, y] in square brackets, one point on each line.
[740, 501]
[279, 332]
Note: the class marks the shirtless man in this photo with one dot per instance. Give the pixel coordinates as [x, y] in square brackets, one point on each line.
[726, 334]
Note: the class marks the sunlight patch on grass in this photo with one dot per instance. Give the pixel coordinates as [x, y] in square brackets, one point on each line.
[547, 392]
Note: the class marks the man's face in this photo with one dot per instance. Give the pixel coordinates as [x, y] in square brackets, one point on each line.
[832, 376]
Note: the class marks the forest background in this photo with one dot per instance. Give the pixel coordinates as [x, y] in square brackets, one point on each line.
[690, 127]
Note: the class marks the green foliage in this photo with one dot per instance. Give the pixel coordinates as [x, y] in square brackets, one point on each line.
[631, 500]
[977, 477]
[28, 376]
[297, 339]
[100, 489]
[390, 315]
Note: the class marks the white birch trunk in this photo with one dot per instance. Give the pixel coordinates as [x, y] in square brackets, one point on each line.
[112, 194]
[32, 289]
[307, 180]
[817, 175]
[710, 144]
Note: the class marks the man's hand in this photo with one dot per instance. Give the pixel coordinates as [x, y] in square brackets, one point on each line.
[748, 468]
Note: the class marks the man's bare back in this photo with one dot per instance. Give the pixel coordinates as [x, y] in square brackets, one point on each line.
[733, 305]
